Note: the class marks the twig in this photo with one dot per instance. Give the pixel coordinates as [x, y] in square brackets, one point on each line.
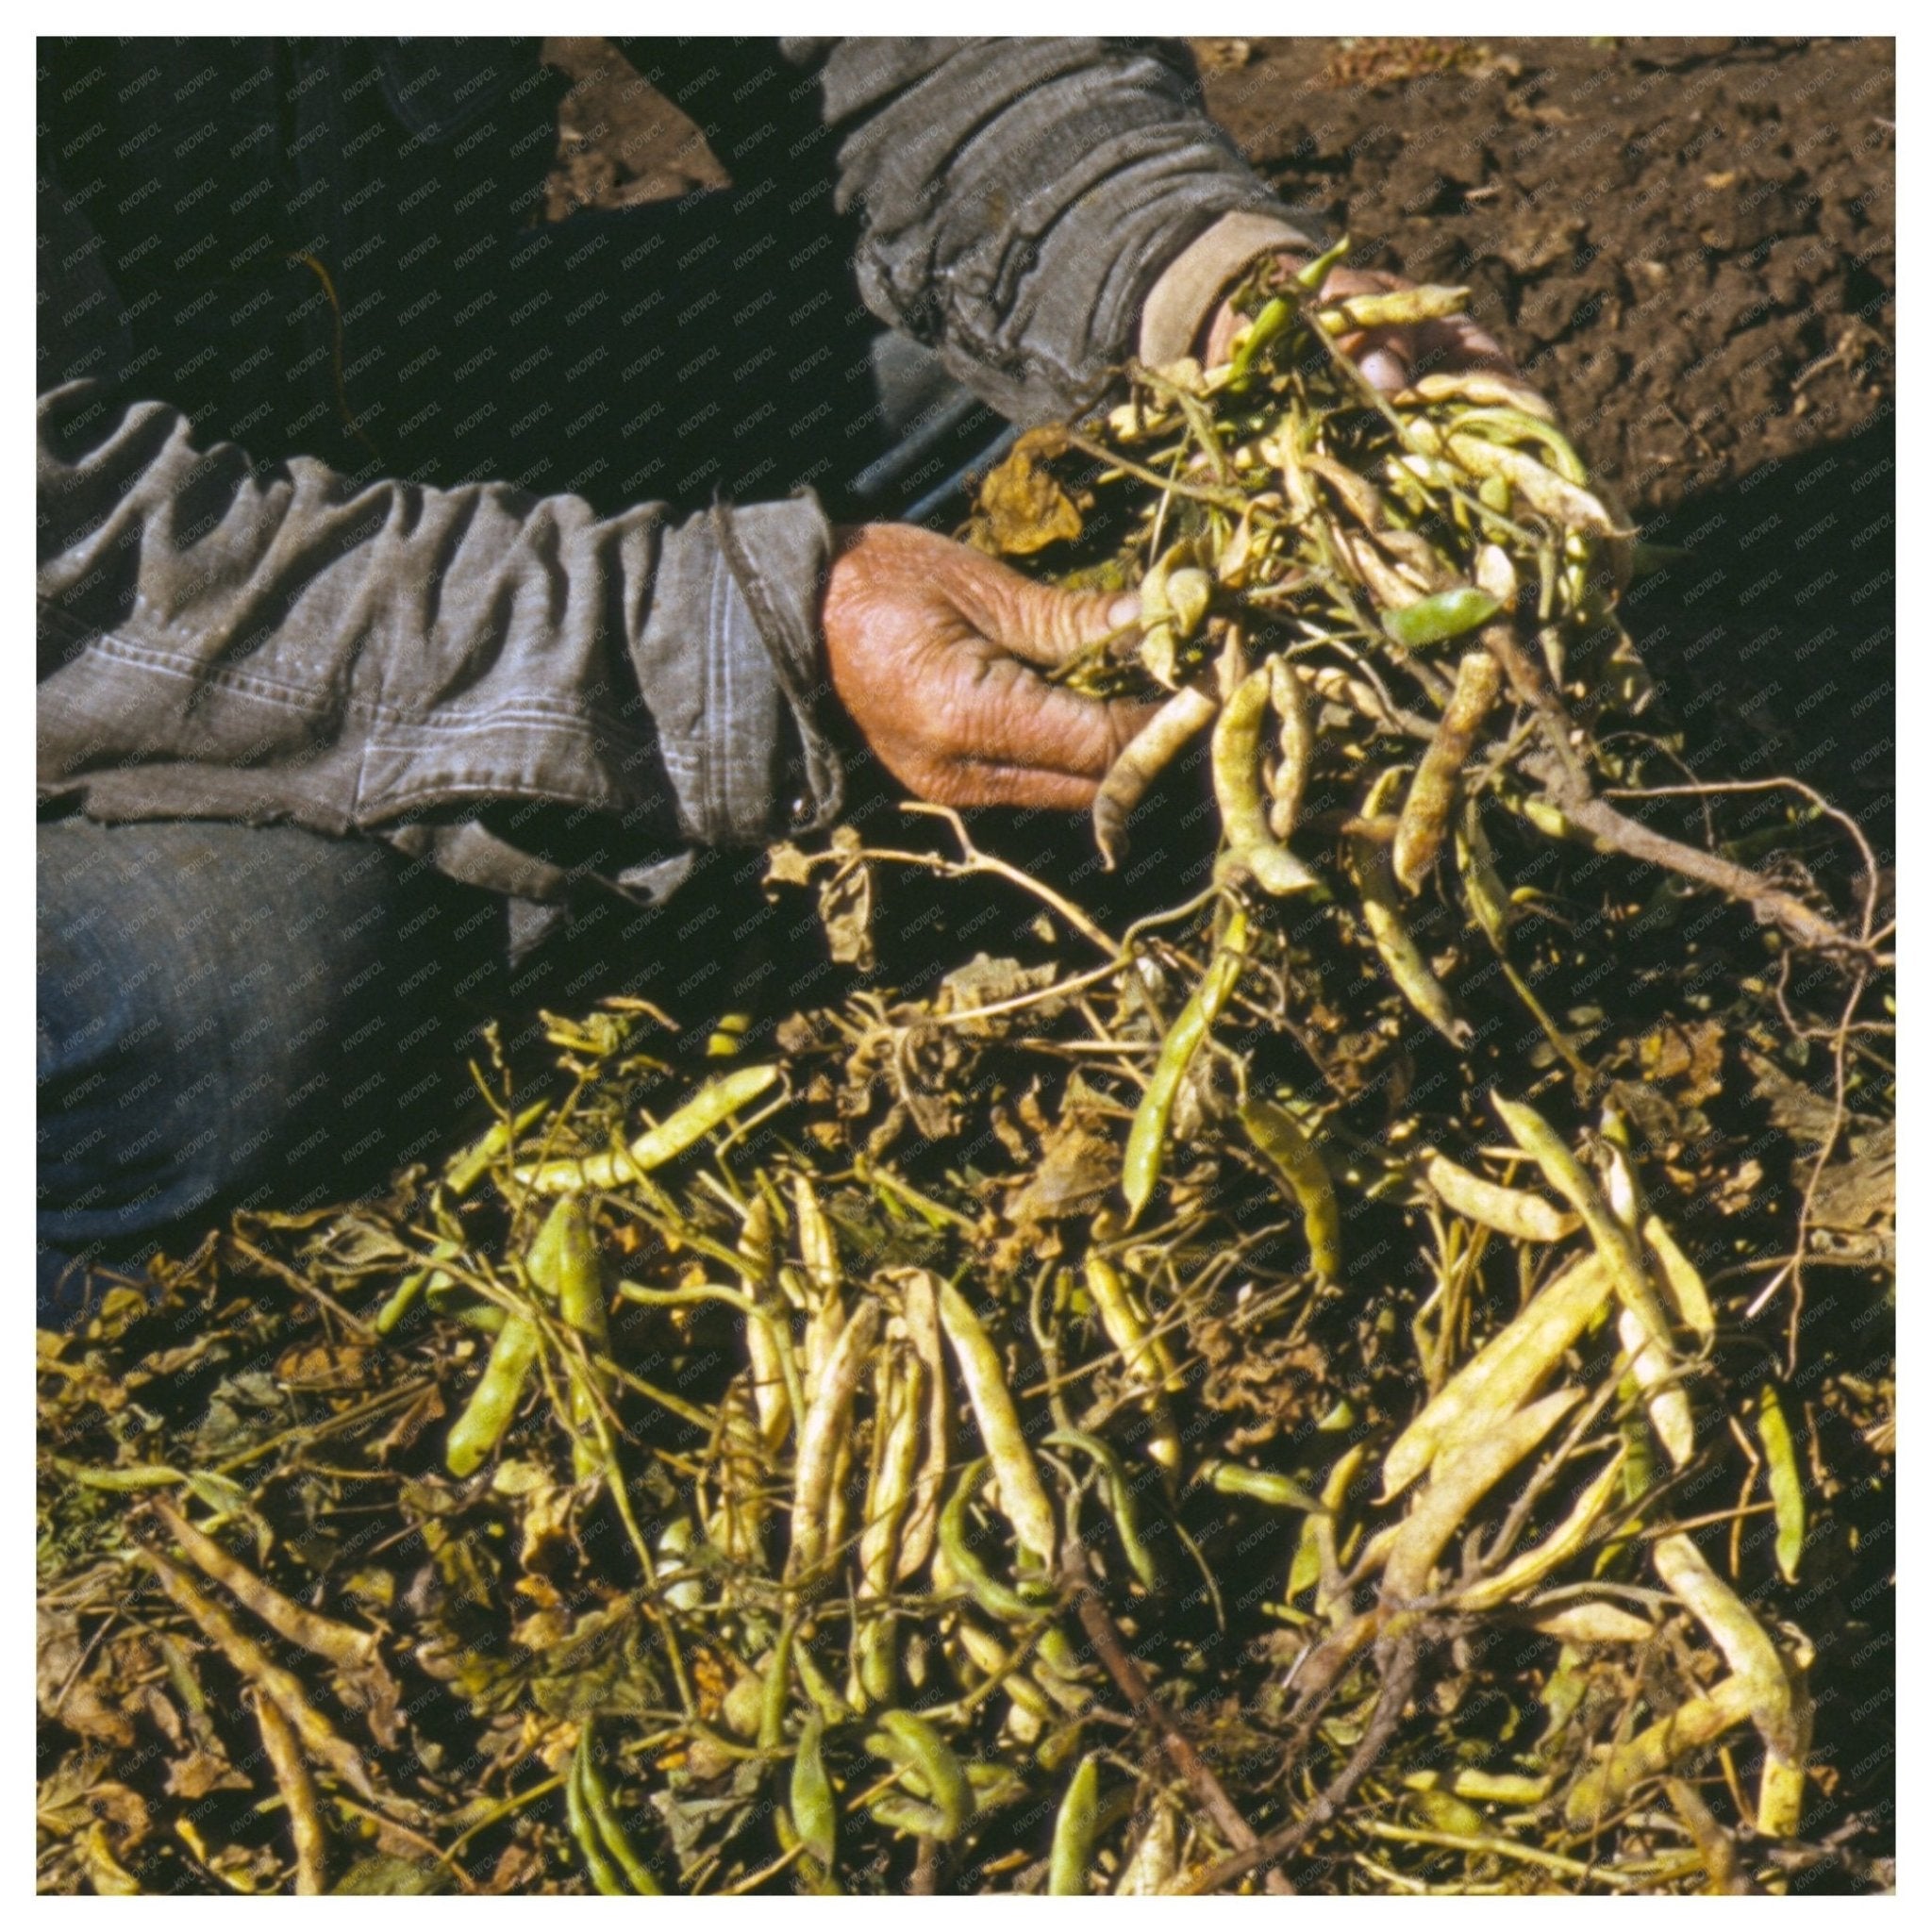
[354, 1324]
[976, 860]
[1397, 1682]
[1105, 1636]
[1608, 830]
[1823, 805]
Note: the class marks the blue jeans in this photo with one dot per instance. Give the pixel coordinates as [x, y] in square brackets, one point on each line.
[234, 1015]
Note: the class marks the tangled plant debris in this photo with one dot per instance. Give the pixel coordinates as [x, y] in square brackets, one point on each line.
[1326, 1388]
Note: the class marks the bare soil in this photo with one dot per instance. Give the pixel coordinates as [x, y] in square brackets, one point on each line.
[1689, 242]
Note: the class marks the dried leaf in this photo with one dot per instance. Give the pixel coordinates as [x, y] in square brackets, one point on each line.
[1023, 508]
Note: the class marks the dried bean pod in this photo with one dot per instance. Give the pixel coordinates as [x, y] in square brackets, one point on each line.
[1614, 1242]
[819, 1440]
[1562, 1542]
[1399, 953]
[1459, 1484]
[1023, 1498]
[919, 1318]
[1149, 753]
[1392, 309]
[899, 1381]
[1295, 735]
[1691, 1725]
[1503, 1374]
[1538, 486]
[1591, 1623]
[1779, 1707]
[1250, 846]
[1521, 1216]
[1424, 821]
[1519, 425]
[1477, 385]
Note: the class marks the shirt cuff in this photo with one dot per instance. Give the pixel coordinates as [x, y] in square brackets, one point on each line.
[1181, 301]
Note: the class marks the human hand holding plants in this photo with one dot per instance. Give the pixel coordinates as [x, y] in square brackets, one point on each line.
[930, 647]
[1391, 357]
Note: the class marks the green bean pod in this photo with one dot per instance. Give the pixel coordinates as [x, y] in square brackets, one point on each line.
[712, 1105]
[915, 1746]
[1263, 1485]
[1425, 820]
[492, 1404]
[1786, 1485]
[814, 1811]
[562, 1262]
[999, 1600]
[587, 1838]
[615, 1868]
[1273, 320]
[1140, 1354]
[1433, 619]
[1276, 1134]
[1147, 1137]
[1074, 1831]
[1127, 1517]
[1311, 274]
[412, 1285]
[473, 1163]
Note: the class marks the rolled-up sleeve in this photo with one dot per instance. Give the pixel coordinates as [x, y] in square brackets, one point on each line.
[1021, 199]
[219, 639]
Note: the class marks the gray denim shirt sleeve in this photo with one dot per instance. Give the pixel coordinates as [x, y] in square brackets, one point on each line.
[224, 638]
[1022, 197]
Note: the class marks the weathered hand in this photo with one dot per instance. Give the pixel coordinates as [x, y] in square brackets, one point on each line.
[1390, 357]
[925, 640]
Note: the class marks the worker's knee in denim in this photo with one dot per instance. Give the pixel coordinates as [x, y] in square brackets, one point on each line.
[209, 994]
